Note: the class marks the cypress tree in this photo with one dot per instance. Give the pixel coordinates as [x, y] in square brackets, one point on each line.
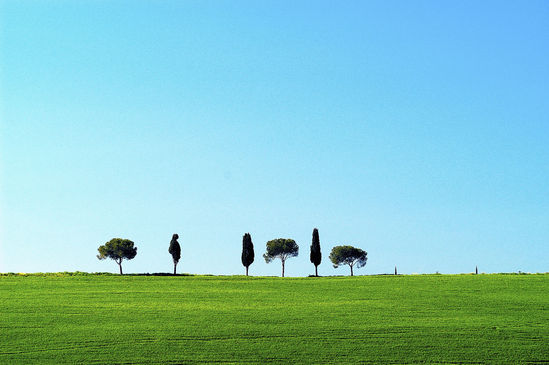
[247, 251]
[316, 255]
[175, 251]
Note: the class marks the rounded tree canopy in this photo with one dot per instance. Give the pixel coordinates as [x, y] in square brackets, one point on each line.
[348, 255]
[117, 249]
[281, 248]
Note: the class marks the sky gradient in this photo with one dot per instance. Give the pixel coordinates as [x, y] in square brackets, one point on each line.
[417, 131]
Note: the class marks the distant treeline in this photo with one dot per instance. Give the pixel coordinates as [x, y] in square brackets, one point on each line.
[82, 273]
[120, 249]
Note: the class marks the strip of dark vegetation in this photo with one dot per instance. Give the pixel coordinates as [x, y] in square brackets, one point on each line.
[82, 273]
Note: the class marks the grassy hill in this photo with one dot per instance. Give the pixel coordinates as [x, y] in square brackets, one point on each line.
[186, 319]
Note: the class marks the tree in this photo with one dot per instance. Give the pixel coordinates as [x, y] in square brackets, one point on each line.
[117, 249]
[348, 255]
[175, 251]
[247, 251]
[316, 255]
[282, 248]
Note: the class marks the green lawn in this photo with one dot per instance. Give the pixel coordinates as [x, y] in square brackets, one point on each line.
[372, 319]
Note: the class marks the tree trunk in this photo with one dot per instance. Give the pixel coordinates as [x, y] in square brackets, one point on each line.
[282, 268]
[351, 269]
[476, 270]
[120, 267]
[396, 270]
[246, 270]
[174, 268]
[316, 271]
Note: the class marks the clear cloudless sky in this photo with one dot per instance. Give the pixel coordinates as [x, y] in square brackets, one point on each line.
[416, 130]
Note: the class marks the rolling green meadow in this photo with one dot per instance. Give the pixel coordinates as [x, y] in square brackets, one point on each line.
[87, 318]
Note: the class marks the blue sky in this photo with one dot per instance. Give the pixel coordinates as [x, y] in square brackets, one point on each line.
[417, 131]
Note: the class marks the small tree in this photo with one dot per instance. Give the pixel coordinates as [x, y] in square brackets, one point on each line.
[316, 255]
[117, 249]
[282, 248]
[175, 251]
[348, 255]
[247, 251]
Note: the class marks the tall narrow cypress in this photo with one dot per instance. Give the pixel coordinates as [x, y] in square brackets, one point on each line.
[316, 255]
[247, 251]
[175, 251]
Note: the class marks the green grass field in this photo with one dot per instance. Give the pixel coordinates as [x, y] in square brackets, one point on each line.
[369, 319]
